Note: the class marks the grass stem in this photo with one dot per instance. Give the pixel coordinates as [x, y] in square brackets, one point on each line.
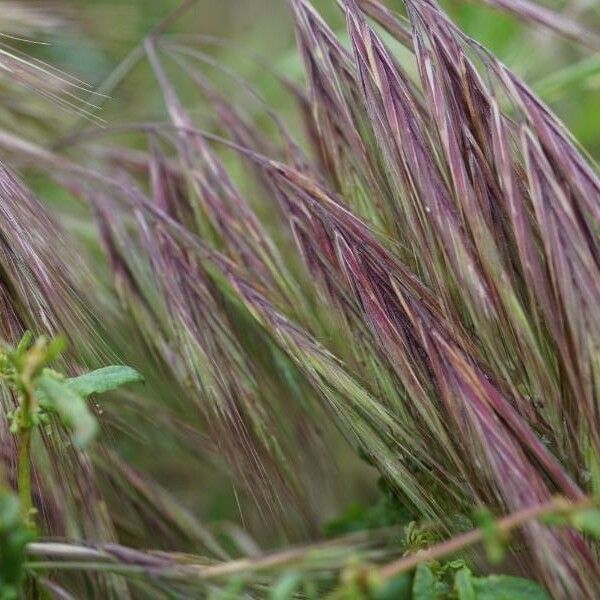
[24, 459]
[555, 506]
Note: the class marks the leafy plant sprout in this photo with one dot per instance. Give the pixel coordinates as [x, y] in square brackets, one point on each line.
[42, 392]
[21, 368]
[405, 287]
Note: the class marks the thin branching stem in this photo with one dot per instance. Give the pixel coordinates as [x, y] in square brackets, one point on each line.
[556, 506]
[24, 475]
[24, 434]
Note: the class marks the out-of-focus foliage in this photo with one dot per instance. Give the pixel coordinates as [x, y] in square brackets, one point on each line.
[14, 537]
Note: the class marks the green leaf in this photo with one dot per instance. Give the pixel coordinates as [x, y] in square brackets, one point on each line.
[103, 380]
[285, 587]
[424, 584]
[463, 584]
[588, 521]
[71, 408]
[54, 349]
[504, 587]
[14, 537]
[493, 539]
[24, 344]
[398, 588]
[234, 589]
[350, 590]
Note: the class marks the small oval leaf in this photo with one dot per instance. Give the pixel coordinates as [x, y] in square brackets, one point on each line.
[505, 587]
[71, 408]
[103, 380]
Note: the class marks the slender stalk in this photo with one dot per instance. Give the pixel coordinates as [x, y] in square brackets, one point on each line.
[24, 460]
[72, 550]
[74, 556]
[555, 506]
[24, 476]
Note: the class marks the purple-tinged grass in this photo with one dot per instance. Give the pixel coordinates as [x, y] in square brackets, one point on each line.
[450, 227]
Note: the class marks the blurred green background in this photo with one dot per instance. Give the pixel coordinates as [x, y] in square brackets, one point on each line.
[99, 33]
